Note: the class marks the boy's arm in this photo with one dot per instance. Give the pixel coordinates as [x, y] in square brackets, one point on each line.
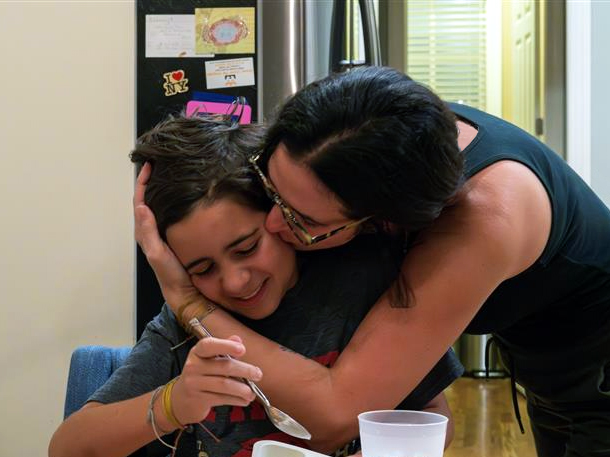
[120, 428]
[112, 430]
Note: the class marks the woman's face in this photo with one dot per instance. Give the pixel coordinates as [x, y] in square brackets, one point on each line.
[314, 205]
[232, 259]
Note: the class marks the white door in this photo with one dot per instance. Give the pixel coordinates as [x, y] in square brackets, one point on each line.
[523, 99]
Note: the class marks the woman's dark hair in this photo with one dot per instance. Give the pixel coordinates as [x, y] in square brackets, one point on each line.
[385, 145]
[196, 161]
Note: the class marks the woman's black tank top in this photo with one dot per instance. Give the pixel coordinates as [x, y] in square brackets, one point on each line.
[564, 297]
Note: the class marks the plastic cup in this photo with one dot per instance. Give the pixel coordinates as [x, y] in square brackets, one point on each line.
[401, 433]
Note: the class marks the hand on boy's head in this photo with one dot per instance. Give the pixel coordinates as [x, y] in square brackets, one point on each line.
[175, 282]
[141, 181]
[145, 225]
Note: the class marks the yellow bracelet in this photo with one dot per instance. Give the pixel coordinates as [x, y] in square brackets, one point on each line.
[151, 418]
[166, 401]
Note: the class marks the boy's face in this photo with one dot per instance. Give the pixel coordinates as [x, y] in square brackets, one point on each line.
[232, 259]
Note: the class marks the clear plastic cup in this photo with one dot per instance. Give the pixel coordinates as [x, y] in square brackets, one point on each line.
[401, 433]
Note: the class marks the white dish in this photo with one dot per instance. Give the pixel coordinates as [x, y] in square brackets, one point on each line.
[270, 448]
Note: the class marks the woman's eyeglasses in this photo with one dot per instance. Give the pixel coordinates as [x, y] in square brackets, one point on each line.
[297, 228]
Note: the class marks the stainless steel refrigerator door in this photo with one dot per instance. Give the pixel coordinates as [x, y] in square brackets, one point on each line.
[293, 48]
[294, 45]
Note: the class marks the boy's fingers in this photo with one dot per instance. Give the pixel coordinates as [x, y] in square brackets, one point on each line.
[211, 347]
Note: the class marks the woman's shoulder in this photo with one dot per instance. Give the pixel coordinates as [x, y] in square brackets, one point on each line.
[505, 210]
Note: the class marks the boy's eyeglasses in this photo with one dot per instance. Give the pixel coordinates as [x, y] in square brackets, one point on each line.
[297, 228]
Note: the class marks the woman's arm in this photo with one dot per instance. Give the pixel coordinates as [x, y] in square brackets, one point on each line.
[120, 428]
[439, 405]
[497, 229]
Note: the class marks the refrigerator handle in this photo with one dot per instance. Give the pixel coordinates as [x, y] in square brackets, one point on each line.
[337, 37]
[371, 37]
[338, 61]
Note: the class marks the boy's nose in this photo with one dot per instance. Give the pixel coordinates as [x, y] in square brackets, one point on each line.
[235, 281]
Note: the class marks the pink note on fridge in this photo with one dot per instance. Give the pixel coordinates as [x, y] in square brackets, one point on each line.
[195, 106]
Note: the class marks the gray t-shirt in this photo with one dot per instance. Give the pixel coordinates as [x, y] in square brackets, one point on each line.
[316, 318]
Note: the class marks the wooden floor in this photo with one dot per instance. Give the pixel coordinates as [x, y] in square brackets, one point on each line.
[485, 424]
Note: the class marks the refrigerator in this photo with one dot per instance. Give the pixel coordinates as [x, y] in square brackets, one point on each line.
[194, 53]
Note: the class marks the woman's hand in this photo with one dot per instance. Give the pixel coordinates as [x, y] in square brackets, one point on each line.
[208, 380]
[178, 290]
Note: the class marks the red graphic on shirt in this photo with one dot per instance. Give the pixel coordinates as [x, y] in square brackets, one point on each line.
[257, 412]
[328, 360]
[237, 414]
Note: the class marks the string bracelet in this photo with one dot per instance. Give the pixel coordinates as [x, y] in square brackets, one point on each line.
[208, 431]
[166, 401]
[165, 392]
[180, 310]
[176, 442]
[151, 418]
[209, 308]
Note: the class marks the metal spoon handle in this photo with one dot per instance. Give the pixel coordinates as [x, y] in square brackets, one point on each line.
[259, 393]
[198, 329]
[201, 332]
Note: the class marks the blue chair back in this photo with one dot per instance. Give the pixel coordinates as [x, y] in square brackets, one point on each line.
[90, 367]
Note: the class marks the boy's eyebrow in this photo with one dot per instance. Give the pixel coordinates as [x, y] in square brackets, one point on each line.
[240, 239]
[232, 244]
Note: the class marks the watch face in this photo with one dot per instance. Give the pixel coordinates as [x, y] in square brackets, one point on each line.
[225, 31]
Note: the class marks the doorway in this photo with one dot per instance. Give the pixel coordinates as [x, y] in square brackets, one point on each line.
[506, 58]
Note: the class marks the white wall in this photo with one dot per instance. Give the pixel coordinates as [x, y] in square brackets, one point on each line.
[600, 100]
[588, 94]
[66, 250]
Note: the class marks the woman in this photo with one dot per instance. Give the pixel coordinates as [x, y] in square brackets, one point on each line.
[502, 237]
[211, 210]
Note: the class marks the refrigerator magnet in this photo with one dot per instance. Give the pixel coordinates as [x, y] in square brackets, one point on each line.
[175, 83]
[229, 73]
[224, 30]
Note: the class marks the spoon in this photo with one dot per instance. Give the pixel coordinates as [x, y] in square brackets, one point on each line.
[277, 417]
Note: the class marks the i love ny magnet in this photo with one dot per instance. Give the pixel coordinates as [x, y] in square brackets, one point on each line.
[175, 83]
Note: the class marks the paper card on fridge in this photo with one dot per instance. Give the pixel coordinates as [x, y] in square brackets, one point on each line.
[225, 30]
[229, 73]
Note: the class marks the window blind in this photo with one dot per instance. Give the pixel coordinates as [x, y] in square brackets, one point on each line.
[446, 48]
